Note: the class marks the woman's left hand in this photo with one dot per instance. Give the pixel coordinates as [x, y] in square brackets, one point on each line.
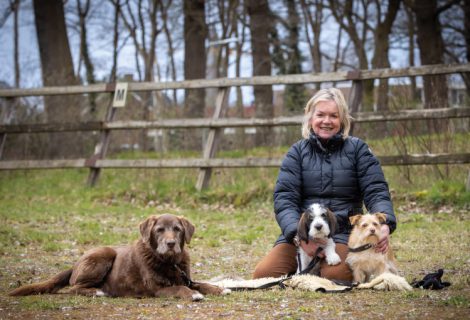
[382, 245]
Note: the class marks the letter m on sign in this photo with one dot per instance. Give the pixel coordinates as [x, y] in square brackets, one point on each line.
[120, 95]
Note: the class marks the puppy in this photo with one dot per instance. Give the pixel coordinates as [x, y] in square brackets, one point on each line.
[365, 263]
[156, 265]
[317, 222]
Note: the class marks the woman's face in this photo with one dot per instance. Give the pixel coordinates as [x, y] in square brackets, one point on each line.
[325, 120]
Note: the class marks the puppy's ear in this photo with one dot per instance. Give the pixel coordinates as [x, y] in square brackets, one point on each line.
[382, 217]
[146, 227]
[302, 227]
[331, 221]
[355, 219]
[188, 229]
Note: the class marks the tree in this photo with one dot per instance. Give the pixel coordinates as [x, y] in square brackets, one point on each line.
[381, 40]
[431, 49]
[294, 95]
[315, 24]
[84, 50]
[195, 33]
[142, 24]
[258, 11]
[57, 69]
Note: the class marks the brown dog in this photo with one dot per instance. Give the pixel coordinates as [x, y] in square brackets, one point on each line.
[365, 263]
[155, 265]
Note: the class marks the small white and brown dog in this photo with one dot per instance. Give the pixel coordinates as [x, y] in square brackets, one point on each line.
[365, 263]
[317, 222]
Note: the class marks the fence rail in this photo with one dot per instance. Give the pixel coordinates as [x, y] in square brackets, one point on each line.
[422, 114]
[251, 81]
[410, 159]
[97, 161]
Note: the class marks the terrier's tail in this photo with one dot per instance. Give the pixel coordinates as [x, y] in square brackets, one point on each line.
[52, 285]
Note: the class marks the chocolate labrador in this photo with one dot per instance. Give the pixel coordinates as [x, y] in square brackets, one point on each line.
[156, 265]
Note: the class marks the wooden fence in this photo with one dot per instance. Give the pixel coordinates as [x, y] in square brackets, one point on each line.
[97, 161]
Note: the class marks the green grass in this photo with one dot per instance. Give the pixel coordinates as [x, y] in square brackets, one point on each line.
[50, 218]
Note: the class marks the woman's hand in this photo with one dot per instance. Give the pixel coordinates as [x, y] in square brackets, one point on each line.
[312, 246]
[382, 245]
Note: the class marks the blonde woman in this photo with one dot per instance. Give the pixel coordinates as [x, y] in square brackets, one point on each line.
[331, 168]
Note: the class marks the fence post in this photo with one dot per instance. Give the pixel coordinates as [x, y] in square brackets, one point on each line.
[213, 138]
[101, 147]
[355, 95]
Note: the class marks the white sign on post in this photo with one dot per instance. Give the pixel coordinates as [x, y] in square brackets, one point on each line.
[120, 95]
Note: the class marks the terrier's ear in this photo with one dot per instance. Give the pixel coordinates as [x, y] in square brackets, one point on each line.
[302, 227]
[355, 219]
[188, 229]
[382, 217]
[146, 227]
[331, 221]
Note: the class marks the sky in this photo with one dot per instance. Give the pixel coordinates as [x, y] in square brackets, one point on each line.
[101, 48]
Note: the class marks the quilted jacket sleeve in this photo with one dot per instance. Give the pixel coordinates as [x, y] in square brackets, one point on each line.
[287, 193]
[372, 184]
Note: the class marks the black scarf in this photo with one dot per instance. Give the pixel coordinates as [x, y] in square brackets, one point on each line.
[330, 145]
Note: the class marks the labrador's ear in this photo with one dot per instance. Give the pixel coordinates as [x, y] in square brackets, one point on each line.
[381, 216]
[331, 221]
[303, 227]
[355, 219]
[146, 227]
[188, 229]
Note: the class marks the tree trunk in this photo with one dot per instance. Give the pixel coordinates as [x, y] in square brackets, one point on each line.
[431, 51]
[466, 10]
[382, 44]
[16, 8]
[295, 96]
[85, 53]
[258, 10]
[57, 69]
[414, 94]
[343, 11]
[195, 33]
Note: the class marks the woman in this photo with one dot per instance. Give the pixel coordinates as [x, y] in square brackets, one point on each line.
[331, 168]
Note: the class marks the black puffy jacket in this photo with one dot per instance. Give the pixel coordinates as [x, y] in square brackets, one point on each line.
[341, 174]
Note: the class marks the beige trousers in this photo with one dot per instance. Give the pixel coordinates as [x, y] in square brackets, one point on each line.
[281, 260]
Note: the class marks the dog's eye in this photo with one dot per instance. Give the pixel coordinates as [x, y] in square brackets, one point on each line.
[375, 224]
[323, 215]
[365, 225]
[176, 229]
[160, 229]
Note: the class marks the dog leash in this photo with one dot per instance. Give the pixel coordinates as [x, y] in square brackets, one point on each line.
[312, 263]
[280, 283]
[362, 248]
[187, 281]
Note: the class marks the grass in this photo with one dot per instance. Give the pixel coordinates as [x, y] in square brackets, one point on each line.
[50, 218]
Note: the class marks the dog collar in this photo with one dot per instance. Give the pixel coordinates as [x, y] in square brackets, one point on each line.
[361, 248]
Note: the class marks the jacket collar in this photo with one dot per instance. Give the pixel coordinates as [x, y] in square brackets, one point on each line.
[330, 145]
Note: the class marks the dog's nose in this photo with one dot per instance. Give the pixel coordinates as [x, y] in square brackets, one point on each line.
[318, 227]
[171, 243]
[372, 231]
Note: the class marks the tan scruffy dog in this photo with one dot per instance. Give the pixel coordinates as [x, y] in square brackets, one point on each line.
[365, 263]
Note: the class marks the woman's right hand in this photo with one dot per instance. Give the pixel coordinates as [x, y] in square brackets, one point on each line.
[312, 246]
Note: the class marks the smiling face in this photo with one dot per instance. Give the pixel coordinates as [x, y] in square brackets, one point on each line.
[326, 120]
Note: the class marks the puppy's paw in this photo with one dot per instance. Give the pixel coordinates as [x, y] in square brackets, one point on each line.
[226, 292]
[197, 296]
[333, 259]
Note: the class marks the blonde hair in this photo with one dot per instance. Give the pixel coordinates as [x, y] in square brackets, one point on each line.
[330, 94]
